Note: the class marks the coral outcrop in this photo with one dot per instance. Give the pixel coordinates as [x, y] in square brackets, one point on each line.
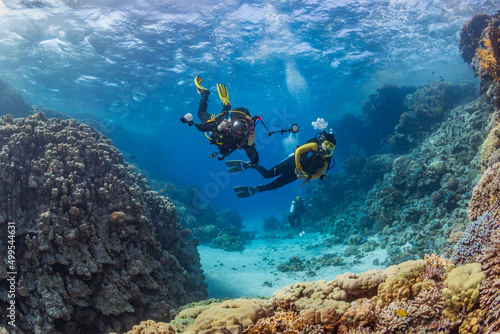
[221, 229]
[96, 250]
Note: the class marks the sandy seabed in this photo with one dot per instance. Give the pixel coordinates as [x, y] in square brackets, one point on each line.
[253, 272]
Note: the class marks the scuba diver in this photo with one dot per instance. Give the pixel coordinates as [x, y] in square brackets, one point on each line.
[308, 162]
[296, 210]
[230, 130]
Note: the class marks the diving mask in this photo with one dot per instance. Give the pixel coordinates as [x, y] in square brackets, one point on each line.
[327, 147]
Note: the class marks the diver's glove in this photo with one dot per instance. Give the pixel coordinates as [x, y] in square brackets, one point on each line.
[251, 138]
[225, 124]
[301, 175]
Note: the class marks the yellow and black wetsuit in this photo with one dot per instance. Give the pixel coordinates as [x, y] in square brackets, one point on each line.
[306, 157]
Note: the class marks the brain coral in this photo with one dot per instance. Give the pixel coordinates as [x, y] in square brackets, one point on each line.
[399, 282]
[238, 312]
[461, 292]
[96, 250]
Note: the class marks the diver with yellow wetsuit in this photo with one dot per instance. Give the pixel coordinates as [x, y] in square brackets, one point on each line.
[308, 162]
[230, 130]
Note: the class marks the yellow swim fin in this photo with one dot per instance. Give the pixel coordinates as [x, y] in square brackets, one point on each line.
[197, 81]
[224, 95]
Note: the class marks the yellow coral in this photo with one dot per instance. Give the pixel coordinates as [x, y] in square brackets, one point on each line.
[488, 59]
[461, 292]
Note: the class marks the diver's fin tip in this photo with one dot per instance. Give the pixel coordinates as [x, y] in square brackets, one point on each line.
[223, 94]
[237, 165]
[245, 191]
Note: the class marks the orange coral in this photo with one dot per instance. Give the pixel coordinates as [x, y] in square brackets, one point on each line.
[117, 217]
[282, 322]
[489, 56]
[437, 261]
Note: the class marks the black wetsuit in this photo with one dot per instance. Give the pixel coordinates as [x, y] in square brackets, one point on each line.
[285, 169]
[294, 218]
[224, 140]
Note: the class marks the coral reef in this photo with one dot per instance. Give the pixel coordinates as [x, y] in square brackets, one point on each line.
[489, 55]
[489, 291]
[349, 304]
[474, 239]
[152, 327]
[470, 35]
[486, 193]
[218, 317]
[426, 107]
[408, 196]
[218, 229]
[96, 249]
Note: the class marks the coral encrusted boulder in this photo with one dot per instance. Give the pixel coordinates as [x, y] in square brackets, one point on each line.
[96, 250]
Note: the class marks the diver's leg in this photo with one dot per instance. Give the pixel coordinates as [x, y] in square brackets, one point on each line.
[284, 179]
[284, 166]
[202, 108]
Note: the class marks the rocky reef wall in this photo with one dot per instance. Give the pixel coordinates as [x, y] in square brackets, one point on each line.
[95, 249]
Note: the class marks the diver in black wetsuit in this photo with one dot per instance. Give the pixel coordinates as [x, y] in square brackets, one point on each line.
[296, 211]
[308, 162]
[230, 130]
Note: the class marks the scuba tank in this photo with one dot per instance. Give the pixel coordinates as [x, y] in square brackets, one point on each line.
[292, 208]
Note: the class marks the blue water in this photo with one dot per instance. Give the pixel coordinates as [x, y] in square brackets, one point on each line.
[130, 65]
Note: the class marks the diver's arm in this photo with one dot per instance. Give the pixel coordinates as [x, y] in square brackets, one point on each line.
[301, 150]
[252, 153]
[207, 126]
[319, 172]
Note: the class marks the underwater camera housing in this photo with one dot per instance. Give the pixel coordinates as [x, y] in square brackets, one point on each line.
[240, 128]
[188, 118]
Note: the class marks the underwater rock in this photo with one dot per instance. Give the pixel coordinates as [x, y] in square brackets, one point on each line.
[92, 241]
[471, 34]
[12, 103]
[271, 224]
